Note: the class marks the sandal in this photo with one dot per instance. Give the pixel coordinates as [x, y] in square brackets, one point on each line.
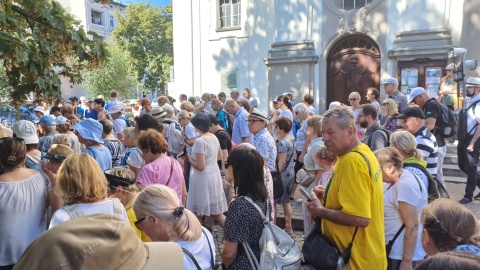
[290, 233]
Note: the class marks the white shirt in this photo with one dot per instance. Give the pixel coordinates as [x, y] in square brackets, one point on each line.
[473, 115]
[407, 190]
[119, 125]
[200, 251]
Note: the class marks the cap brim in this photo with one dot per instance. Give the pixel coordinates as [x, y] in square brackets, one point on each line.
[401, 116]
[472, 85]
[411, 98]
[163, 255]
[162, 114]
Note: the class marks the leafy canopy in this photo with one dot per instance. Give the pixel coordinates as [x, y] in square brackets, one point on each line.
[35, 37]
[146, 33]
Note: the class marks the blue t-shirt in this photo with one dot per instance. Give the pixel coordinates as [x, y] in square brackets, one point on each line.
[102, 155]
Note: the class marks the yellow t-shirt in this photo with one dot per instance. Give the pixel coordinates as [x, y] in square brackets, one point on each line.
[353, 191]
[132, 218]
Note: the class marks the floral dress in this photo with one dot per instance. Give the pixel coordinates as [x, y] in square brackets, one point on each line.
[287, 145]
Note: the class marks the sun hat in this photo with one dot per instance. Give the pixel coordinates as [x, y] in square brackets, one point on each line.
[411, 112]
[158, 112]
[390, 81]
[201, 121]
[417, 91]
[98, 242]
[58, 152]
[260, 114]
[39, 109]
[473, 81]
[115, 109]
[26, 130]
[116, 181]
[89, 129]
[47, 120]
[61, 120]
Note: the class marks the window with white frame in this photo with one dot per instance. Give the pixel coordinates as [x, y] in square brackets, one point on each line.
[97, 17]
[112, 24]
[229, 11]
[351, 4]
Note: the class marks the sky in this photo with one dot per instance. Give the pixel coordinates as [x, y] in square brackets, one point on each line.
[161, 3]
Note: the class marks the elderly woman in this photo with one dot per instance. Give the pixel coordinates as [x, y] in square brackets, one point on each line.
[285, 150]
[89, 132]
[160, 168]
[206, 195]
[63, 127]
[121, 185]
[448, 88]
[82, 185]
[449, 226]
[114, 145]
[406, 144]
[404, 200]
[390, 110]
[24, 198]
[189, 135]
[244, 223]
[301, 143]
[163, 218]
[311, 170]
[354, 98]
[146, 106]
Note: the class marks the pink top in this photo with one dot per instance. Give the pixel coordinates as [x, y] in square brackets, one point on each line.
[158, 172]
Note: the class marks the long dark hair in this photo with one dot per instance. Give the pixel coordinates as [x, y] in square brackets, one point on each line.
[247, 165]
[287, 103]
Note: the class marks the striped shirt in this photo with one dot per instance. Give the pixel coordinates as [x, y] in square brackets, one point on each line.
[427, 143]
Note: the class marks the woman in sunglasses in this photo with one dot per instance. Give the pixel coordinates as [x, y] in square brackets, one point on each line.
[404, 199]
[24, 198]
[161, 215]
[448, 88]
[354, 98]
[449, 226]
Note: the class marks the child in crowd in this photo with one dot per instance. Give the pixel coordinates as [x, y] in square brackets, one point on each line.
[326, 160]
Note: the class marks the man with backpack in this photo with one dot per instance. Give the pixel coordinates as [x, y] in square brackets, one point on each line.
[433, 111]
[468, 148]
[375, 136]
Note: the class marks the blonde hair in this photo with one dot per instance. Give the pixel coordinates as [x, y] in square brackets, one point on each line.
[66, 108]
[406, 143]
[450, 224]
[162, 202]
[60, 150]
[129, 132]
[81, 180]
[61, 139]
[354, 95]
[315, 122]
[323, 154]
[63, 128]
[187, 106]
[390, 107]
[185, 114]
[389, 156]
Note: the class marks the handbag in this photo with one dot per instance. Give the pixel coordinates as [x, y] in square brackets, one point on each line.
[278, 188]
[304, 178]
[320, 252]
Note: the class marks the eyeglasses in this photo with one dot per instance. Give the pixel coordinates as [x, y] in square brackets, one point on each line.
[137, 222]
[251, 121]
[352, 99]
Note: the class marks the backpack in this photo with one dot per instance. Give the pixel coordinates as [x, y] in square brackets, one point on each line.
[129, 121]
[435, 188]
[174, 139]
[386, 131]
[447, 124]
[277, 249]
[461, 115]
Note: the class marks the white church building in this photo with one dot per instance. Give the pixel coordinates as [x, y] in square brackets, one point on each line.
[327, 48]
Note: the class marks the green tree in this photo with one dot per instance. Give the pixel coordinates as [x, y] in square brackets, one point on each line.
[146, 33]
[113, 74]
[35, 37]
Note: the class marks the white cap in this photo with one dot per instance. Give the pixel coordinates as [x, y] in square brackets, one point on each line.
[115, 109]
[27, 131]
[39, 109]
[417, 91]
[61, 120]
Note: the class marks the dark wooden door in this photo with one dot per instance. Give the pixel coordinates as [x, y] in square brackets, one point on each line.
[353, 66]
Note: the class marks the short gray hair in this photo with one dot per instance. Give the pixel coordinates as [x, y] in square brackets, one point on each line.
[168, 108]
[301, 108]
[343, 114]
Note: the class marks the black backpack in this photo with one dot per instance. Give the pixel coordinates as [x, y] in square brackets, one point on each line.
[447, 124]
[461, 115]
[386, 131]
[435, 188]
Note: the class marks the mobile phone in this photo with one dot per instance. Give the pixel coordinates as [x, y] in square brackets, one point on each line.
[305, 194]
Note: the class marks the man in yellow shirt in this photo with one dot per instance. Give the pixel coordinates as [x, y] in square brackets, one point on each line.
[353, 196]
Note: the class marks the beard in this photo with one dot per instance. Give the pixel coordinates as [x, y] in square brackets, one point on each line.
[468, 93]
[363, 124]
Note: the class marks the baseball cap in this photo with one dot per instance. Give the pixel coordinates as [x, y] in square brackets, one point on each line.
[417, 91]
[411, 112]
[89, 129]
[115, 109]
[473, 81]
[61, 120]
[98, 242]
[73, 98]
[39, 109]
[260, 114]
[58, 152]
[26, 130]
[390, 81]
[287, 93]
[47, 120]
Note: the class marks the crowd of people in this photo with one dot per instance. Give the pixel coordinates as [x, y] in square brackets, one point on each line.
[88, 165]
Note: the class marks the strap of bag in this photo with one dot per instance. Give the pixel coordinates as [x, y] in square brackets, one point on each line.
[171, 171]
[286, 163]
[191, 258]
[474, 104]
[74, 211]
[117, 208]
[264, 218]
[212, 262]
[250, 256]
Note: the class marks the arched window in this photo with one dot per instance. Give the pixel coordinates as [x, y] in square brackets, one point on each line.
[350, 4]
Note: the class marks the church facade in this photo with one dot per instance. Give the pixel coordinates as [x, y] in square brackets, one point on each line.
[327, 48]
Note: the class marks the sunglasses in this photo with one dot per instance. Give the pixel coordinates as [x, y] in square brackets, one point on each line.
[137, 222]
[352, 99]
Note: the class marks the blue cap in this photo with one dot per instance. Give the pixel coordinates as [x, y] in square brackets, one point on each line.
[89, 129]
[390, 81]
[47, 120]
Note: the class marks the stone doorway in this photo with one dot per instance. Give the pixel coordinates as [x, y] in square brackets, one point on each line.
[353, 65]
